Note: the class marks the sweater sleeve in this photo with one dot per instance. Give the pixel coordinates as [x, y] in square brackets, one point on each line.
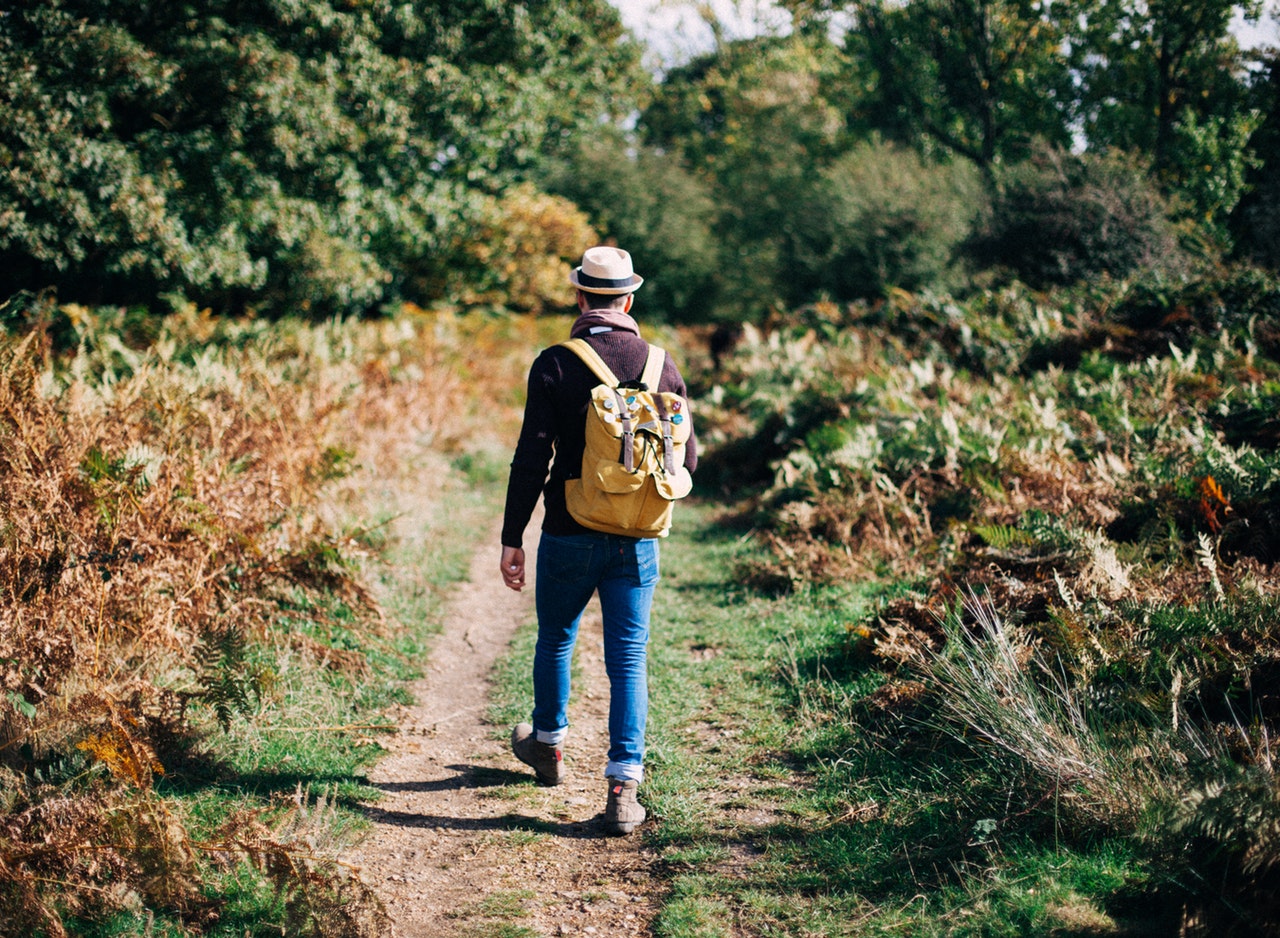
[532, 456]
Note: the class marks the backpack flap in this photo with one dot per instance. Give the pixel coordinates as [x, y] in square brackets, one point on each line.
[673, 428]
[611, 432]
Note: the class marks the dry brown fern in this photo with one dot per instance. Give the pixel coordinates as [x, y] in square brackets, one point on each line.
[158, 508]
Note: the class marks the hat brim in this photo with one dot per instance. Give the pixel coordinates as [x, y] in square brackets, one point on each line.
[590, 284]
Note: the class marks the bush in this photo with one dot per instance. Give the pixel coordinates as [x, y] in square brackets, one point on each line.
[888, 218]
[651, 205]
[516, 253]
[1061, 218]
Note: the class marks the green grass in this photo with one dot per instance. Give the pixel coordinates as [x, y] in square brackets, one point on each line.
[509, 904]
[499, 930]
[782, 803]
[693, 917]
[785, 797]
[511, 695]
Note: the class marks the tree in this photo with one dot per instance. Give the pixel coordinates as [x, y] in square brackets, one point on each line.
[752, 121]
[299, 155]
[1164, 79]
[981, 79]
[1143, 65]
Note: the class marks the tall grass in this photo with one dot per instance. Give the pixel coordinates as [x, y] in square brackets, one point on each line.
[994, 685]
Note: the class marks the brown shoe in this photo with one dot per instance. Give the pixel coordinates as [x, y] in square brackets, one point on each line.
[623, 813]
[545, 759]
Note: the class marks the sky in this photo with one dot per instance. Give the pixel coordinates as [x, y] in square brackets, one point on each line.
[1266, 32]
[675, 32]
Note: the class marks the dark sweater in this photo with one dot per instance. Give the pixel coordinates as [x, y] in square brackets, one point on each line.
[555, 416]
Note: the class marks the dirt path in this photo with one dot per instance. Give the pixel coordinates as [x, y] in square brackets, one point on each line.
[464, 842]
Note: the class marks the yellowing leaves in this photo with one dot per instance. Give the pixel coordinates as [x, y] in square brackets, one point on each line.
[128, 758]
[521, 251]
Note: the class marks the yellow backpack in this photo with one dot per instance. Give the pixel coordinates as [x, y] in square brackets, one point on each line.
[633, 462]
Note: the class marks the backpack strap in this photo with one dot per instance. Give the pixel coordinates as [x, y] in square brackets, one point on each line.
[653, 368]
[652, 377]
[668, 444]
[653, 364]
[591, 358]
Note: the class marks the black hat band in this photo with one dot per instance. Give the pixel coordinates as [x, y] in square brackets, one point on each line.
[586, 280]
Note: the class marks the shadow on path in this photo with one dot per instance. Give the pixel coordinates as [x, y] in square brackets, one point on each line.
[475, 777]
[591, 829]
[469, 776]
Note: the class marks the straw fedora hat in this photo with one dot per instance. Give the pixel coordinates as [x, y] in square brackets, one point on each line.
[606, 270]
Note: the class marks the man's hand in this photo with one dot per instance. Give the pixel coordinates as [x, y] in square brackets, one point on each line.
[513, 568]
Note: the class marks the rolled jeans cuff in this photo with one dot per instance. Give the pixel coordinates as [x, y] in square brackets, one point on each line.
[626, 771]
[552, 737]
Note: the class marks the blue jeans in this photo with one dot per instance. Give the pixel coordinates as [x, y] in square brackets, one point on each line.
[625, 572]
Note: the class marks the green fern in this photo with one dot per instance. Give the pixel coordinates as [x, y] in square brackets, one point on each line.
[1237, 818]
[1003, 536]
[222, 656]
[1036, 532]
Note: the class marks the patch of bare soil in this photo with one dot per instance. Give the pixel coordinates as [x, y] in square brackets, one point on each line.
[464, 841]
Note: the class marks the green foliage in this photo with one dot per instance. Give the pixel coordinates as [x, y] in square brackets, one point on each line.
[986, 80]
[1242, 301]
[981, 80]
[1213, 159]
[753, 121]
[300, 157]
[647, 201]
[1037, 534]
[1157, 96]
[1061, 218]
[1160, 79]
[883, 217]
[1101, 467]
[994, 685]
[320, 158]
[225, 682]
[1168, 82]
[1236, 823]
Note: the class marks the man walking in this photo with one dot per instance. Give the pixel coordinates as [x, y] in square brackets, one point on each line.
[573, 562]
